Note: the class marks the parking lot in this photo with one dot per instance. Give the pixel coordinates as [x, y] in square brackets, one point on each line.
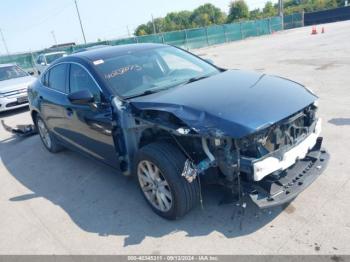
[68, 204]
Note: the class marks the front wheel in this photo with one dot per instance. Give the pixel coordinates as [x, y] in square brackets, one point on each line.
[158, 168]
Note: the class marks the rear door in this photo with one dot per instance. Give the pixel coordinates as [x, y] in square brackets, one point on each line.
[90, 126]
[53, 98]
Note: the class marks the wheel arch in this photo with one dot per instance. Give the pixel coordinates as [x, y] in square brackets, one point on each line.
[34, 115]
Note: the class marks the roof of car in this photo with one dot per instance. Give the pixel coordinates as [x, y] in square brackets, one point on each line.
[6, 65]
[109, 51]
[90, 48]
[54, 53]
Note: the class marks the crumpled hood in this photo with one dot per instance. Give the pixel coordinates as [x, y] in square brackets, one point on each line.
[234, 103]
[16, 84]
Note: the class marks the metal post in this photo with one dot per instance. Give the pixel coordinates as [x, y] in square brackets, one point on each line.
[127, 29]
[154, 26]
[81, 24]
[33, 62]
[303, 13]
[206, 34]
[5, 44]
[225, 33]
[54, 36]
[269, 21]
[240, 29]
[281, 11]
[186, 43]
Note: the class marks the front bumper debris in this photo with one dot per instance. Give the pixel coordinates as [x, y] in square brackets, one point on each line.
[264, 167]
[271, 192]
[20, 130]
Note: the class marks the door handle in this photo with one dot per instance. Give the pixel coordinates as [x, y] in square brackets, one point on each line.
[69, 111]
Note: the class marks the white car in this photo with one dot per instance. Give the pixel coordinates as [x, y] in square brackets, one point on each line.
[44, 60]
[13, 87]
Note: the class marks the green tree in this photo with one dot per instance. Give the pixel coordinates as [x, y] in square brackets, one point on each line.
[158, 23]
[143, 30]
[269, 9]
[255, 14]
[238, 10]
[177, 21]
[331, 4]
[207, 14]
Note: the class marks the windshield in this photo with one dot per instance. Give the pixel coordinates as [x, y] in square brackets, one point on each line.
[10, 72]
[151, 70]
[53, 57]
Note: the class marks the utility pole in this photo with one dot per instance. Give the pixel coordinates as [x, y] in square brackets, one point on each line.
[5, 44]
[81, 24]
[154, 26]
[280, 8]
[54, 36]
[280, 11]
[127, 29]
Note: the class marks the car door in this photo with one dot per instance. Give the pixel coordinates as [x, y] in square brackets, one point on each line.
[90, 126]
[53, 98]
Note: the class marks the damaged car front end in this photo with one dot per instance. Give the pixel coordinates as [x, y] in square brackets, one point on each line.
[272, 165]
[272, 161]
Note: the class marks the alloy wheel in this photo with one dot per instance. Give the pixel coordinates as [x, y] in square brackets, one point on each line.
[44, 133]
[154, 186]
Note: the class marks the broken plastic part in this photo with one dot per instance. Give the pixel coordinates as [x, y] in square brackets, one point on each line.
[183, 131]
[189, 172]
[20, 130]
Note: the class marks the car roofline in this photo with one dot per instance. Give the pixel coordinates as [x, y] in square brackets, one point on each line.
[7, 65]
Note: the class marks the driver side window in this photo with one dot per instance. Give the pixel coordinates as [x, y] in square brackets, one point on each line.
[79, 80]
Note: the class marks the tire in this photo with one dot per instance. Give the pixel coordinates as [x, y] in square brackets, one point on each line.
[49, 141]
[170, 162]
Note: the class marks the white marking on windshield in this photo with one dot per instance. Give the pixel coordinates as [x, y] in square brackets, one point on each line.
[123, 70]
[98, 62]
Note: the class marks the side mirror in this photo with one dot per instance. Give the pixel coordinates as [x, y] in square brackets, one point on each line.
[83, 97]
[209, 61]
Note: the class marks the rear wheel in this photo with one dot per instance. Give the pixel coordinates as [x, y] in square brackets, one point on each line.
[47, 138]
[158, 169]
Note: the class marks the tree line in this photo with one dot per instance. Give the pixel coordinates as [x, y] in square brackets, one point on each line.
[208, 14]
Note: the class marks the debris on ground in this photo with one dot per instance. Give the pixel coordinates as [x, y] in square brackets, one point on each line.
[20, 130]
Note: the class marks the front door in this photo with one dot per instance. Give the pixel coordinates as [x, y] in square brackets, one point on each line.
[89, 127]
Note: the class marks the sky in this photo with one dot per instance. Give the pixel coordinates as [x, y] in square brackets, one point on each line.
[29, 25]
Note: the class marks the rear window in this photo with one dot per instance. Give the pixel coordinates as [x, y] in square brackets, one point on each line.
[53, 57]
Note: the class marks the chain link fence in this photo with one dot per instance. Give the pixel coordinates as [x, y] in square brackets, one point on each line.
[293, 21]
[187, 39]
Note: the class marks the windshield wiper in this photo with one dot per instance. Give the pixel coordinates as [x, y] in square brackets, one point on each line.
[196, 78]
[145, 93]
[148, 92]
